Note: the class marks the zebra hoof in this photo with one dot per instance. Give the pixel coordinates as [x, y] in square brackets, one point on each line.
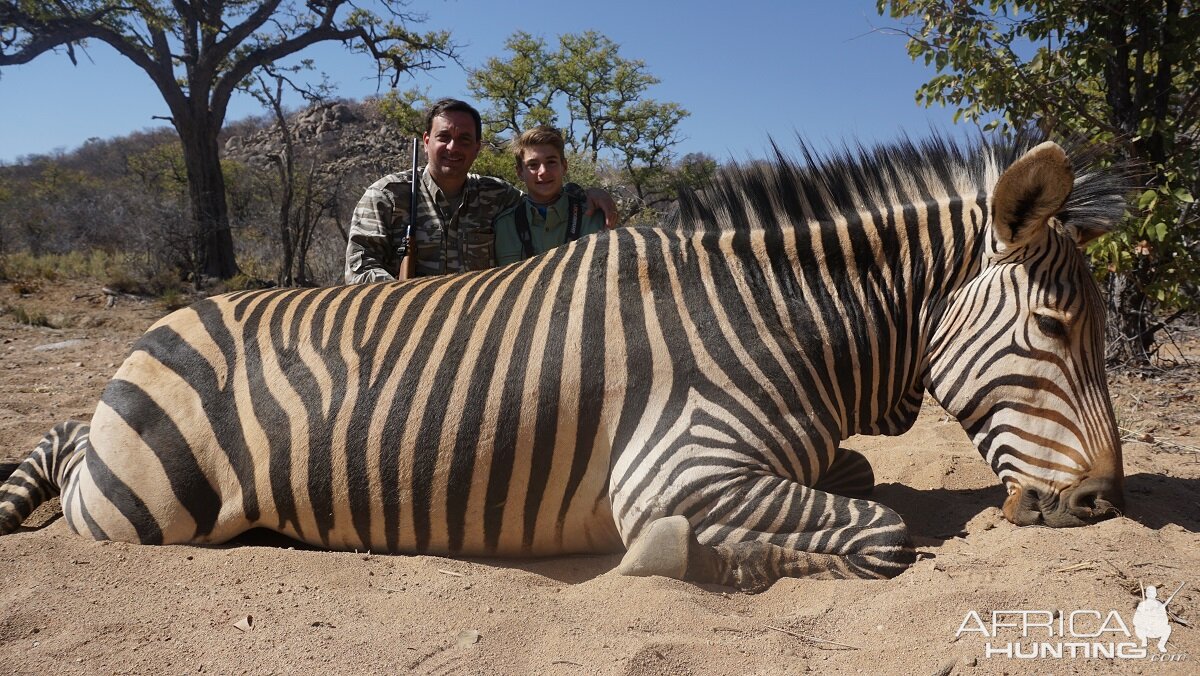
[661, 550]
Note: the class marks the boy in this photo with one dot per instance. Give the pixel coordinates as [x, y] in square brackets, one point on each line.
[551, 214]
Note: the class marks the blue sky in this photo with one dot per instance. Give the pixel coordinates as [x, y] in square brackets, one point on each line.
[746, 70]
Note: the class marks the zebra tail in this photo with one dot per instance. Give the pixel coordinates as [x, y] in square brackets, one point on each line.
[42, 475]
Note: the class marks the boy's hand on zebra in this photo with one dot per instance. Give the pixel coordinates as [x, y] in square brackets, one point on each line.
[599, 199]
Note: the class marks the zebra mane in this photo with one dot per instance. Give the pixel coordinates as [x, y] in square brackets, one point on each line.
[773, 194]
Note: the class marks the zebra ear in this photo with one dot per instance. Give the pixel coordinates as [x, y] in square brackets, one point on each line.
[1029, 192]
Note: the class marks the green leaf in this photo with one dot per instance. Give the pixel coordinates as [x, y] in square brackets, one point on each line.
[1147, 199]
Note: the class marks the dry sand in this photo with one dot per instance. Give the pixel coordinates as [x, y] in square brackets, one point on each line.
[71, 605]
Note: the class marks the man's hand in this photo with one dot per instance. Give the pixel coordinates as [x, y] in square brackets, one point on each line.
[599, 199]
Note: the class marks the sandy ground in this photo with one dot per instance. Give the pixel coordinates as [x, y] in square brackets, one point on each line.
[70, 605]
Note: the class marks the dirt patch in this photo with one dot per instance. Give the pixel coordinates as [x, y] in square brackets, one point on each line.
[71, 605]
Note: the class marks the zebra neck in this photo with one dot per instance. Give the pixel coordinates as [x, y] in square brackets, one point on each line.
[839, 282]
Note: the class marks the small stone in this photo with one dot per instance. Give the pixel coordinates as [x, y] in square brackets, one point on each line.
[245, 624]
[468, 637]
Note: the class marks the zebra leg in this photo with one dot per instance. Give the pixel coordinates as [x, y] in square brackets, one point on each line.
[42, 475]
[850, 475]
[770, 528]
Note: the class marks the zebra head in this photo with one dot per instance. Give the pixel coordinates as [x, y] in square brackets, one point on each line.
[1018, 354]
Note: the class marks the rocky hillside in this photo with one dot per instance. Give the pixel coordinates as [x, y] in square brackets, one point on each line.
[342, 136]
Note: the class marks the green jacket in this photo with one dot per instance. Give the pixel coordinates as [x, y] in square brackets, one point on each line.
[546, 231]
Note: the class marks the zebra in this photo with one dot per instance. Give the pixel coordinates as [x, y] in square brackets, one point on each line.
[679, 393]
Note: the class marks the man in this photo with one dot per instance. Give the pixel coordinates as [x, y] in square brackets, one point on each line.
[455, 208]
[550, 215]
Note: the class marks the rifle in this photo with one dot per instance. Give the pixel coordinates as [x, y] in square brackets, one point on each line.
[408, 249]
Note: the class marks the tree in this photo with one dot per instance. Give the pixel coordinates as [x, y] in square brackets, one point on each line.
[602, 95]
[644, 145]
[156, 234]
[1122, 73]
[198, 52]
[521, 89]
[405, 111]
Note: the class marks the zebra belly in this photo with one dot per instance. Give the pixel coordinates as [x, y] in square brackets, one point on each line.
[162, 470]
[138, 501]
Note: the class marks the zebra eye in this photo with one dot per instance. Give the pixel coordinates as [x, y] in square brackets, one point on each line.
[1052, 326]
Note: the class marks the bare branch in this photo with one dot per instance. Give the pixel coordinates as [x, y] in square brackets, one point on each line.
[222, 48]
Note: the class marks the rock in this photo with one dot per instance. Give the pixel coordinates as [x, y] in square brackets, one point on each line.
[468, 637]
[49, 347]
[245, 624]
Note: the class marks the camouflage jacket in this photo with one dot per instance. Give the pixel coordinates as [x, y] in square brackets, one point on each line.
[458, 243]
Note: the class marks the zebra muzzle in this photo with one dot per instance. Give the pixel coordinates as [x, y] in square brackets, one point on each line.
[1093, 500]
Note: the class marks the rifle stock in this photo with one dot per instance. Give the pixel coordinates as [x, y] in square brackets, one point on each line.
[408, 264]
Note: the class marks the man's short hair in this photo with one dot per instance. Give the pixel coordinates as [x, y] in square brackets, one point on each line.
[454, 105]
[538, 136]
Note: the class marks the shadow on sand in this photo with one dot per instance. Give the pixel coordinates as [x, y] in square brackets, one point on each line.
[939, 513]
[1152, 500]
[570, 569]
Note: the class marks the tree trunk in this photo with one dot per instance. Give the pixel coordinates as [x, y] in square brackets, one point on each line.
[206, 187]
[283, 165]
[285, 223]
[1131, 336]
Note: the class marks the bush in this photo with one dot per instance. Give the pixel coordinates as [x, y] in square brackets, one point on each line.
[122, 281]
[242, 282]
[28, 317]
[93, 264]
[174, 299]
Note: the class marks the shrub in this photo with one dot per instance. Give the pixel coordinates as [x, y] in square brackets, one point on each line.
[174, 299]
[28, 317]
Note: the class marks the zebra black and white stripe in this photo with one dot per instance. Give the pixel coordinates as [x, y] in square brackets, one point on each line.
[680, 391]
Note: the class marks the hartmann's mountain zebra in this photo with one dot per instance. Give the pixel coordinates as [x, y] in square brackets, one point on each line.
[680, 390]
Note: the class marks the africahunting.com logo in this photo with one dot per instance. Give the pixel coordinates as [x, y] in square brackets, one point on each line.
[1077, 634]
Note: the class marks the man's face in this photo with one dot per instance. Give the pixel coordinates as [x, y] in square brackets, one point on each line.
[451, 146]
[542, 171]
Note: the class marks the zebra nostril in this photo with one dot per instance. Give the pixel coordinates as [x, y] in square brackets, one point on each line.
[1095, 499]
[1088, 501]
[1024, 506]
[1032, 499]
